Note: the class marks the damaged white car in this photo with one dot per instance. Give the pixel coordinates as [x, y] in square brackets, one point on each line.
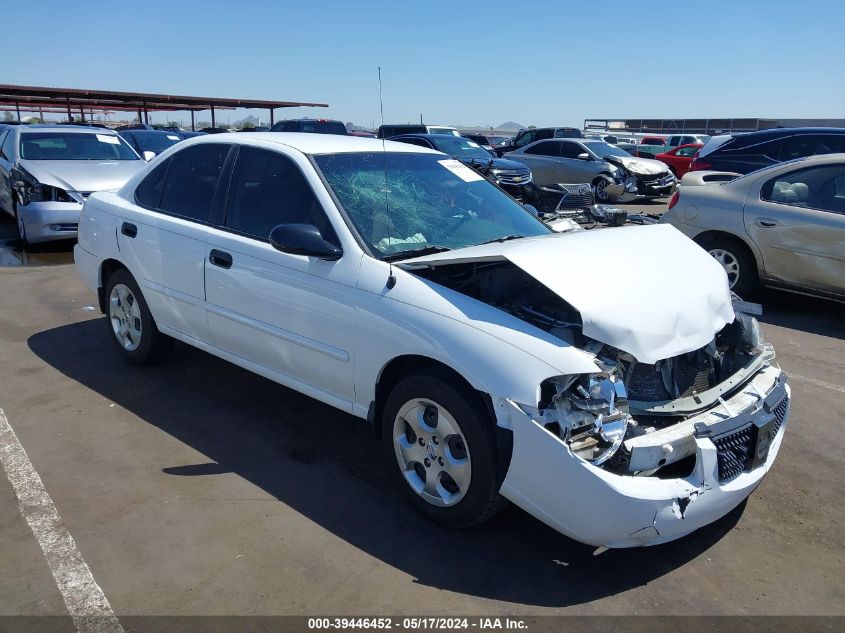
[621, 401]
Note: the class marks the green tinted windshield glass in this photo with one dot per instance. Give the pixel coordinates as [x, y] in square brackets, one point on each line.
[429, 201]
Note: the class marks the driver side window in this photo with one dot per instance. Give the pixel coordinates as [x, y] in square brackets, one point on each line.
[268, 189]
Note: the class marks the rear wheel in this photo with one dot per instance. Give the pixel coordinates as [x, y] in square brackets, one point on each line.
[440, 447]
[130, 322]
[738, 263]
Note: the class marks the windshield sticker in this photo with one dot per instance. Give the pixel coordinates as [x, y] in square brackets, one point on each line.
[461, 171]
[108, 138]
[173, 137]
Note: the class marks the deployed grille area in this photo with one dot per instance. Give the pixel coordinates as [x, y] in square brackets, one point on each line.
[676, 377]
[735, 451]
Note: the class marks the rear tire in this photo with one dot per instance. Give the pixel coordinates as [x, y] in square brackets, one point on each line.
[737, 261]
[131, 325]
[439, 445]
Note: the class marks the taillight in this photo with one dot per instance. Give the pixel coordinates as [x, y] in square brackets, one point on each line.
[699, 165]
[674, 199]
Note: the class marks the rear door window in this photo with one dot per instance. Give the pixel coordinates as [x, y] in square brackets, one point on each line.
[148, 193]
[192, 180]
[811, 145]
[821, 187]
[546, 148]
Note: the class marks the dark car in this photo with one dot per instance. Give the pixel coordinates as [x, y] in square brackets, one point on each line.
[526, 137]
[311, 126]
[515, 178]
[744, 153]
[190, 133]
[155, 141]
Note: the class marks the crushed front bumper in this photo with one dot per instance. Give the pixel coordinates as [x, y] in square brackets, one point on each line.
[601, 508]
[45, 221]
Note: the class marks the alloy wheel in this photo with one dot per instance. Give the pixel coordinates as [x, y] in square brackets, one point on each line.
[432, 452]
[729, 262]
[125, 316]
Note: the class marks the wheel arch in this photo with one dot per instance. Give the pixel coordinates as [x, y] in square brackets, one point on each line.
[405, 365]
[107, 267]
[712, 234]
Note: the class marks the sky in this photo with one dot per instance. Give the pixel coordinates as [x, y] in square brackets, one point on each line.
[461, 63]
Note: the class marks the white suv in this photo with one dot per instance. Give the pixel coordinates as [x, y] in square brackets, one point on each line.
[398, 285]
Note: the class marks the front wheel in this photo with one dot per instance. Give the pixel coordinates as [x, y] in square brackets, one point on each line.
[440, 446]
[130, 322]
[600, 185]
[19, 223]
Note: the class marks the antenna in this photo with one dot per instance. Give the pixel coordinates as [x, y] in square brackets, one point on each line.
[391, 278]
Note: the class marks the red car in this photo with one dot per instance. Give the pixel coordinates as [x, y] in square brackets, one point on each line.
[679, 158]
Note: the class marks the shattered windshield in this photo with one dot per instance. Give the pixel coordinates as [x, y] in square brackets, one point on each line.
[429, 202]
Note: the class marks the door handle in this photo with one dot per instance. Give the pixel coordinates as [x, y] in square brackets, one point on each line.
[220, 258]
[128, 229]
[767, 222]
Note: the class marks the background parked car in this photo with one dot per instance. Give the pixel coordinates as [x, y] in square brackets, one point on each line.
[513, 177]
[558, 161]
[743, 153]
[393, 129]
[47, 172]
[311, 126]
[679, 158]
[651, 146]
[783, 225]
[149, 143]
[526, 137]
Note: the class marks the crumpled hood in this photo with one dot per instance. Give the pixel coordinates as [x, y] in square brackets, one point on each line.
[639, 166]
[83, 175]
[647, 290]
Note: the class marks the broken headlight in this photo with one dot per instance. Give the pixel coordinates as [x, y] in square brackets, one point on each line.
[590, 413]
[30, 190]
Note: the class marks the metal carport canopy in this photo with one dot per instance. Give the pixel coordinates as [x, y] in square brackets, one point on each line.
[15, 95]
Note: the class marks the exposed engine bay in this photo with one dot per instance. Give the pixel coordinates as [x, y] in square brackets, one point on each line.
[607, 417]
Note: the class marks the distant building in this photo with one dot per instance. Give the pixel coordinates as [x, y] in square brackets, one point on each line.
[701, 126]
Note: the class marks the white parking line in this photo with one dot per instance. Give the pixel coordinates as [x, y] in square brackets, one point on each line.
[818, 383]
[85, 601]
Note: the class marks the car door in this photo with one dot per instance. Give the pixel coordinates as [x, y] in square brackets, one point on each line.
[571, 169]
[797, 219]
[541, 158]
[285, 316]
[162, 235]
[5, 173]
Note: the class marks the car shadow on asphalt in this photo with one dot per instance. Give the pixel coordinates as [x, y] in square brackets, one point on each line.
[799, 312]
[325, 465]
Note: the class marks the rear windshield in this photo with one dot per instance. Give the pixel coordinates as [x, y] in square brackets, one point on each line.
[156, 142]
[74, 146]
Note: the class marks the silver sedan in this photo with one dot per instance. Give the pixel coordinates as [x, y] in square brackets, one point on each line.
[614, 174]
[781, 226]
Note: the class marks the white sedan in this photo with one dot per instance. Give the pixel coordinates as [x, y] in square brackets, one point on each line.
[621, 401]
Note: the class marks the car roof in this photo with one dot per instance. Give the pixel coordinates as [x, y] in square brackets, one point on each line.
[787, 131]
[313, 143]
[431, 136]
[70, 129]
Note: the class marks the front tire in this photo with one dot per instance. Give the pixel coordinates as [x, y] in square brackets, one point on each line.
[440, 447]
[19, 224]
[131, 325]
[600, 184]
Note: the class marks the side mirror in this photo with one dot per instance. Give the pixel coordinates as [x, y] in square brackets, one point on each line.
[148, 155]
[532, 210]
[303, 239]
[584, 156]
